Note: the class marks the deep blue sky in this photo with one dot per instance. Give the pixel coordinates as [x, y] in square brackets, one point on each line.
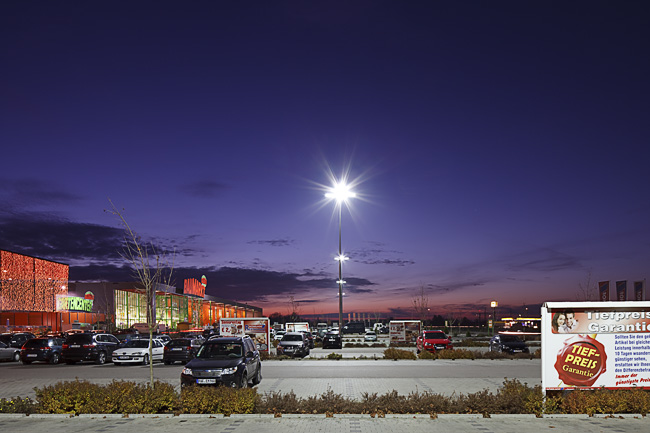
[500, 149]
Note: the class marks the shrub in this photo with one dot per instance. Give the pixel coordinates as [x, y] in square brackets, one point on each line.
[18, 405]
[425, 354]
[218, 399]
[457, 354]
[335, 356]
[79, 396]
[131, 397]
[471, 343]
[117, 397]
[276, 402]
[395, 354]
[607, 401]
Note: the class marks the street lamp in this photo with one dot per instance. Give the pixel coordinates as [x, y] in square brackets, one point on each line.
[494, 305]
[341, 193]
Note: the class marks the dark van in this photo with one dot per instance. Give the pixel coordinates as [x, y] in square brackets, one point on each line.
[354, 328]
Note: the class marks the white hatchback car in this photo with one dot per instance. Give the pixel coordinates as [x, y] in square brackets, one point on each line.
[370, 336]
[137, 352]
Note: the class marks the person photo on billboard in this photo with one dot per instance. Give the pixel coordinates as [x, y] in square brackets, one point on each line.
[559, 323]
[571, 322]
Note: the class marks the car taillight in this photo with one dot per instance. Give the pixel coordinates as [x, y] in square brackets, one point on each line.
[166, 349]
[88, 346]
[65, 346]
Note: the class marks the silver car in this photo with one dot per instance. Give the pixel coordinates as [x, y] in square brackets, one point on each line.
[8, 353]
[293, 344]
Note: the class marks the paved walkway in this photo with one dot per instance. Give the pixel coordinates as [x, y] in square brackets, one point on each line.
[320, 423]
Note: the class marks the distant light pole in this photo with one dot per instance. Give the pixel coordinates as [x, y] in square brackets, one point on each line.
[494, 305]
[341, 193]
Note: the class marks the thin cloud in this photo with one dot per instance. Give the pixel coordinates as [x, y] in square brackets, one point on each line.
[59, 239]
[545, 260]
[377, 255]
[203, 188]
[27, 193]
[274, 242]
[247, 284]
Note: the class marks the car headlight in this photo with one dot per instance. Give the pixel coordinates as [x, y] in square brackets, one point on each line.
[137, 353]
[187, 371]
[229, 370]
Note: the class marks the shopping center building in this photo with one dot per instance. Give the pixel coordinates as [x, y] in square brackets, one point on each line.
[35, 294]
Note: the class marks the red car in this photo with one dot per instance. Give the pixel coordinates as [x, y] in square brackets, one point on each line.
[432, 341]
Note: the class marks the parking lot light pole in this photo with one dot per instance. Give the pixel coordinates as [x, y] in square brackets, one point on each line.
[494, 305]
[341, 193]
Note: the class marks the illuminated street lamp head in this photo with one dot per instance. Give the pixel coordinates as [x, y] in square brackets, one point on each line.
[494, 304]
[340, 281]
[341, 258]
[341, 192]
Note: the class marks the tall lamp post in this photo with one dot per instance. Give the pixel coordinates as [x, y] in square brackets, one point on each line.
[494, 305]
[341, 193]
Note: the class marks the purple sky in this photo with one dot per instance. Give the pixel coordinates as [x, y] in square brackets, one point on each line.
[499, 149]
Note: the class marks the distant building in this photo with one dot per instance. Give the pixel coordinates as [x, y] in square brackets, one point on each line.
[36, 294]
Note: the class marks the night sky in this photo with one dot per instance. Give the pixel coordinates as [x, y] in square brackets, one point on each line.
[499, 149]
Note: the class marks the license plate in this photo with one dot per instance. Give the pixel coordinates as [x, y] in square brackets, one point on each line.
[123, 357]
[74, 346]
[206, 381]
[177, 349]
[32, 355]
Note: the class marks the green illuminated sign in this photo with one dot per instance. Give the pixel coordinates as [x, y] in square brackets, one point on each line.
[73, 303]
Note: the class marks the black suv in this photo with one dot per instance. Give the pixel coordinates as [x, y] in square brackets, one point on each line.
[332, 340]
[230, 361]
[89, 347]
[46, 349]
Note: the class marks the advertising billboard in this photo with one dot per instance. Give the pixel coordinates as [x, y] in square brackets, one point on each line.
[255, 327]
[404, 331]
[595, 344]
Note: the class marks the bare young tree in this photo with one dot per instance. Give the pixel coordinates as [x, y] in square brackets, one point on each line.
[294, 309]
[587, 290]
[151, 267]
[420, 304]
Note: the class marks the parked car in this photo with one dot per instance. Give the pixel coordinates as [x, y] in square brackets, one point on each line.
[508, 343]
[370, 336]
[17, 339]
[162, 337]
[310, 338]
[293, 344]
[230, 361]
[332, 340]
[432, 341]
[279, 334]
[97, 348]
[354, 328]
[181, 349]
[125, 337]
[8, 353]
[137, 352]
[43, 349]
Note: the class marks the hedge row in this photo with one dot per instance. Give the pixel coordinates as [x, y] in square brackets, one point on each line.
[513, 397]
[394, 353]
